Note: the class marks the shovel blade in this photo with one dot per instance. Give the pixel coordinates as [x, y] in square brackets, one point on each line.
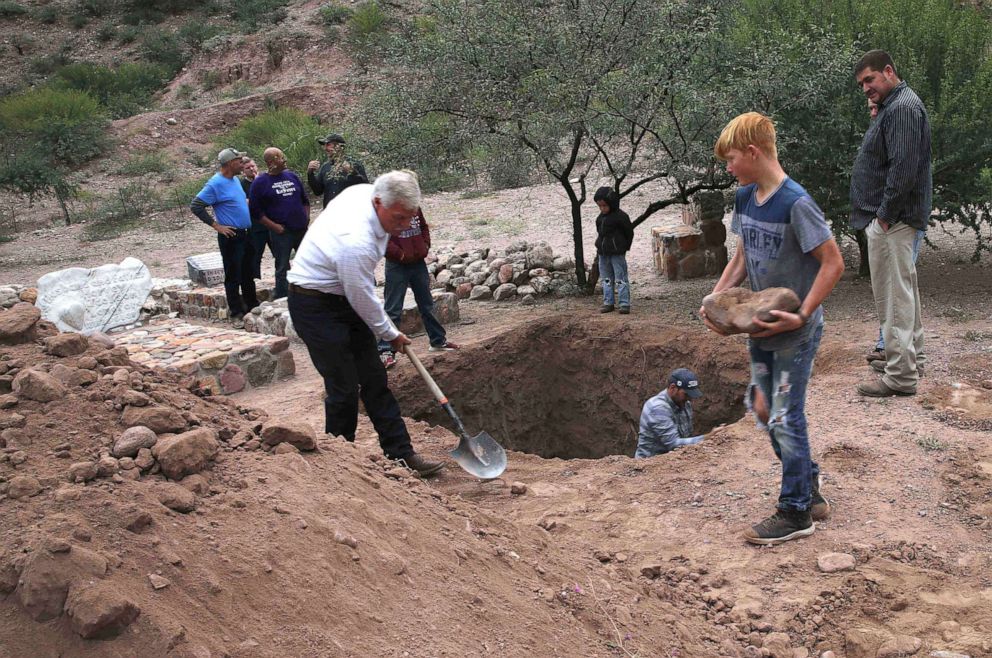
[480, 455]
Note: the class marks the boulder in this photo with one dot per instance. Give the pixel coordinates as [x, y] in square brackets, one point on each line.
[505, 273]
[83, 471]
[733, 310]
[156, 418]
[563, 264]
[540, 255]
[134, 439]
[38, 386]
[297, 433]
[69, 344]
[99, 611]
[465, 290]
[778, 645]
[187, 453]
[17, 323]
[176, 497]
[504, 292]
[899, 647]
[46, 577]
[481, 292]
[23, 486]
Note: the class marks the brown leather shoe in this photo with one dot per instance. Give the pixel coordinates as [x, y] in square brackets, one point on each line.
[879, 389]
[422, 465]
[606, 308]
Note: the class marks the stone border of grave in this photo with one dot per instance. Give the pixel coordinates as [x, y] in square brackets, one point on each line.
[522, 271]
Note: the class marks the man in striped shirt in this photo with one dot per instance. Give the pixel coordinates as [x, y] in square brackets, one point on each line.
[335, 310]
[891, 192]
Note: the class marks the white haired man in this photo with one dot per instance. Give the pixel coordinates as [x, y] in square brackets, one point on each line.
[337, 314]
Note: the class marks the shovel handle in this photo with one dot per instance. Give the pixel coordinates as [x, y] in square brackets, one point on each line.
[435, 389]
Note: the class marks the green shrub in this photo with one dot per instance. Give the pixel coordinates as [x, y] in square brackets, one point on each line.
[45, 65]
[106, 33]
[334, 14]
[367, 20]
[115, 215]
[164, 48]
[78, 21]
[195, 33]
[288, 129]
[123, 91]
[12, 9]
[142, 164]
[250, 15]
[128, 34]
[95, 8]
[66, 123]
[49, 14]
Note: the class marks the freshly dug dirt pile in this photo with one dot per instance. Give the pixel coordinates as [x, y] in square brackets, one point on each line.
[140, 519]
[557, 388]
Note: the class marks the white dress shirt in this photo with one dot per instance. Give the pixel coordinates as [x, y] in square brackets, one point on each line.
[339, 254]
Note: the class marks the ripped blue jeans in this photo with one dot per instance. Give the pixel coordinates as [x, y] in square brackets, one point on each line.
[782, 377]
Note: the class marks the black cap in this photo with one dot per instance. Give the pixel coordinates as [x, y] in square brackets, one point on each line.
[686, 380]
[331, 138]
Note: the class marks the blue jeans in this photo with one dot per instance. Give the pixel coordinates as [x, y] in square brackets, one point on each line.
[239, 287]
[282, 245]
[917, 241]
[613, 269]
[399, 276]
[782, 377]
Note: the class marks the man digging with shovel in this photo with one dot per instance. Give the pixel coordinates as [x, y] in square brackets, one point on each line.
[336, 312]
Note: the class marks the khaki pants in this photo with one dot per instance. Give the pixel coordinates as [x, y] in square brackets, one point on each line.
[897, 301]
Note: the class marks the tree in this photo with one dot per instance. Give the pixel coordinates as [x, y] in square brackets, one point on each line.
[940, 47]
[632, 91]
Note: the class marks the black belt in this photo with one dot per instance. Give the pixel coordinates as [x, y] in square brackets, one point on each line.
[299, 290]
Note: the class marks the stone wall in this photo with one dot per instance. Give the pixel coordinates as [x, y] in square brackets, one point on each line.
[523, 271]
[220, 360]
[696, 245]
[199, 303]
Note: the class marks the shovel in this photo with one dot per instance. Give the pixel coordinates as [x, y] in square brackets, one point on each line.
[480, 455]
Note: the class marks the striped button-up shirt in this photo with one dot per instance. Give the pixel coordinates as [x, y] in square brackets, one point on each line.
[892, 178]
[339, 255]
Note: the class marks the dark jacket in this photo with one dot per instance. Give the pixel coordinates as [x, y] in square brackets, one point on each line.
[616, 233]
[412, 245]
[332, 178]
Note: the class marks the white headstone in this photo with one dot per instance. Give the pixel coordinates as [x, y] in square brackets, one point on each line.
[98, 299]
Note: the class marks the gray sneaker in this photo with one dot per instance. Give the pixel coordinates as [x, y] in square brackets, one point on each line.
[780, 527]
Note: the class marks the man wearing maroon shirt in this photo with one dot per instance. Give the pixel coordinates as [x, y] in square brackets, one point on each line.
[405, 267]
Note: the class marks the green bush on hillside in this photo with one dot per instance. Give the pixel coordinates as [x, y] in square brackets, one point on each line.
[334, 14]
[68, 124]
[49, 14]
[123, 91]
[288, 129]
[251, 15]
[165, 48]
[12, 9]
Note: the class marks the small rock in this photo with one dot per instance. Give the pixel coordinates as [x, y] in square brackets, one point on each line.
[948, 654]
[83, 471]
[23, 486]
[345, 539]
[156, 418]
[176, 497]
[779, 645]
[138, 521]
[157, 581]
[68, 344]
[297, 433]
[38, 386]
[144, 460]
[899, 647]
[187, 453]
[833, 562]
[518, 488]
[99, 611]
[285, 448]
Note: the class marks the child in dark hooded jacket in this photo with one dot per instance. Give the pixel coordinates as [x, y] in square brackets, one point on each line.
[615, 236]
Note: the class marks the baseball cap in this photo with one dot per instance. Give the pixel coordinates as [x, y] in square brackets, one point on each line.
[330, 138]
[686, 380]
[229, 154]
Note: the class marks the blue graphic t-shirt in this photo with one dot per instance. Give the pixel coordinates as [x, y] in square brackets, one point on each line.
[777, 237]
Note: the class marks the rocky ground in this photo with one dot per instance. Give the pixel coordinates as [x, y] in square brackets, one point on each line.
[269, 550]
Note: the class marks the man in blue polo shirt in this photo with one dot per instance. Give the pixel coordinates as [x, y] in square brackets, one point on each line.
[232, 221]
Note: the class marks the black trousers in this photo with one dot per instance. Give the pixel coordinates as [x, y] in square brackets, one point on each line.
[259, 239]
[344, 351]
[239, 285]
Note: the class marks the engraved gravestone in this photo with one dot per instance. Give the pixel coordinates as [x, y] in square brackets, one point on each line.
[97, 299]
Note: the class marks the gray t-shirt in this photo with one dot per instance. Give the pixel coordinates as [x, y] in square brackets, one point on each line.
[777, 237]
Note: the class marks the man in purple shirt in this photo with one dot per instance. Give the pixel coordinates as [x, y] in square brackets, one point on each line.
[280, 203]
